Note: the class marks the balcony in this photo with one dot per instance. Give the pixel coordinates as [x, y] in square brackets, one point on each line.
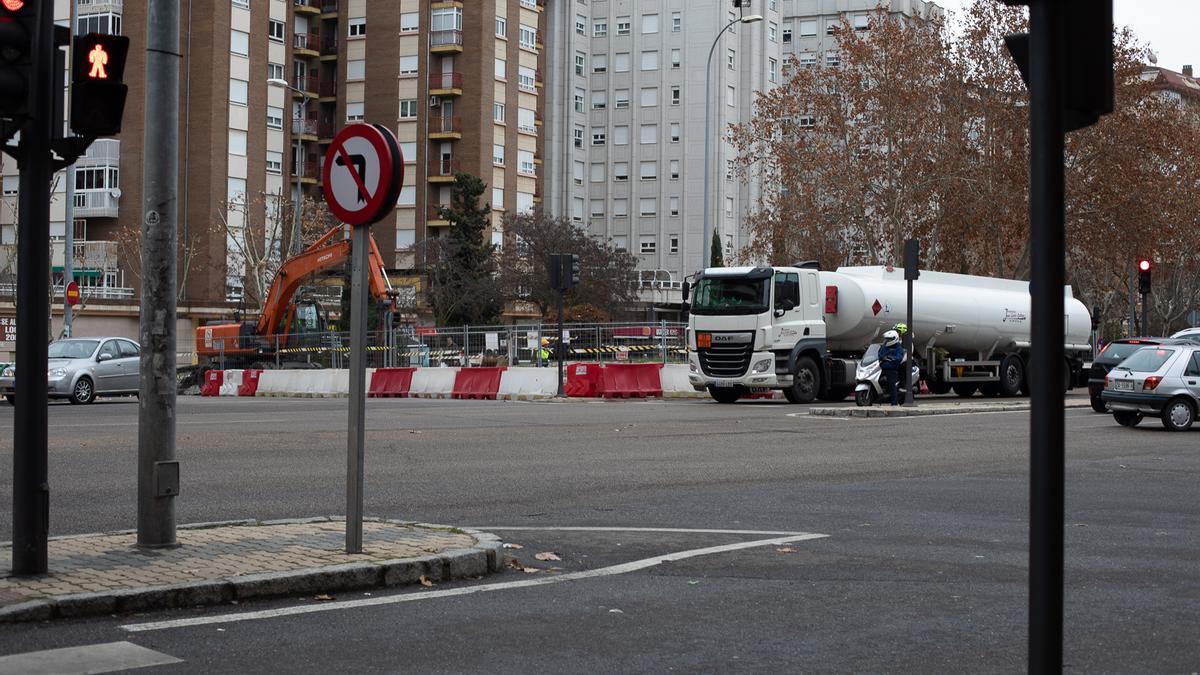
[445, 84]
[537, 79]
[307, 6]
[434, 219]
[309, 172]
[446, 41]
[327, 88]
[539, 42]
[306, 84]
[329, 7]
[96, 203]
[445, 128]
[89, 256]
[442, 170]
[326, 131]
[329, 46]
[306, 44]
[303, 127]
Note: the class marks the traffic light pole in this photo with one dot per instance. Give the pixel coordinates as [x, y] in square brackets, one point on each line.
[158, 471]
[31, 488]
[559, 346]
[1146, 314]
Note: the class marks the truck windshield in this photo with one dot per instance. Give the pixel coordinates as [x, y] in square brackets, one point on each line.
[730, 295]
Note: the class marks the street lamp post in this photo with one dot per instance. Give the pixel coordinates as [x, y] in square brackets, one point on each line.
[296, 240]
[708, 136]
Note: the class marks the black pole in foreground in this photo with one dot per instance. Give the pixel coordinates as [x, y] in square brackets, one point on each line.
[31, 486]
[559, 347]
[1047, 357]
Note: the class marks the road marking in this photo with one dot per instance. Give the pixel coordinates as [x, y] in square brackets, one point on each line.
[538, 528]
[623, 568]
[101, 658]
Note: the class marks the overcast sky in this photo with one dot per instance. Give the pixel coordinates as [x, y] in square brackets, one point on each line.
[1169, 26]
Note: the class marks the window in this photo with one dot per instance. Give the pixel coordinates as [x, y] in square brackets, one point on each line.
[674, 169]
[620, 208]
[675, 58]
[238, 91]
[410, 22]
[772, 69]
[408, 109]
[730, 95]
[579, 61]
[620, 171]
[674, 244]
[620, 242]
[275, 30]
[525, 163]
[274, 162]
[274, 71]
[577, 209]
[648, 170]
[598, 136]
[806, 121]
[501, 69]
[833, 59]
[650, 23]
[772, 31]
[578, 137]
[524, 202]
[11, 183]
[498, 112]
[105, 22]
[729, 169]
[621, 134]
[236, 190]
[408, 150]
[729, 59]
[596, 209]
[808, 59]
[649, 97]
[787, 34]
[595, 172]
[356, 69]
[831, 26]
[648, 206]
[237, 142]
[578, 100]
[650, 60]
[729, 207]
[407, 196]
[676, 22]
[621, 98]
[621, 62]
[600, 28]
[274, 117]
[674, 132]
[860, 22]
[649, 134]
[239, 42]
[787, 287]
[501, 27]
[577, 172]
[581, 24]
[408, 65]
[528, 38]
[526, 120]
[647, 243]
[622, 25]
[599, 100]
[808, 28]
[675, 95]
[358, 27]
[498, 154]
[674, 202]
[525, 78]
[354, 113]
[599, 63]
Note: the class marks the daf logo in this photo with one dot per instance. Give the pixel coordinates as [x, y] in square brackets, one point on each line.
[732, 338]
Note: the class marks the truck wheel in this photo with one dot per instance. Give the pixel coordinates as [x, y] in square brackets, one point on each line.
[964, 389]
[989, 389]
[836, 395]
[725, 394]
[806, 382]
[938, 387]
[863, 398]
[1178, 415]
[1127, 418]
[1012, 375]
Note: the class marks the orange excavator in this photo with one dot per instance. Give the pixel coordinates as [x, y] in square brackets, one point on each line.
[284, 318]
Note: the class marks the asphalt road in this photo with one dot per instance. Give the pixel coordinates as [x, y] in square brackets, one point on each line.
[923, 566]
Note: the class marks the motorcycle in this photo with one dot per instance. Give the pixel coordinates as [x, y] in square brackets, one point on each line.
[868, 375]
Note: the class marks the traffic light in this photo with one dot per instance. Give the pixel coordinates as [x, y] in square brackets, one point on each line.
[18, 24]
[1144, 268]
[97, 91]
[574, 260]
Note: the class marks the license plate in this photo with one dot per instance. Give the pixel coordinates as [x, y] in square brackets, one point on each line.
[703, 340]
[759, 390]
[1123, 385]
[725, 383]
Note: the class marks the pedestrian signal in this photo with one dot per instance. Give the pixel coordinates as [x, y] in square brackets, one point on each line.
[97, 92]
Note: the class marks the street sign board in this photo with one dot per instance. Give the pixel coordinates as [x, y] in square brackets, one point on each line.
[363, 173]
[72, 293]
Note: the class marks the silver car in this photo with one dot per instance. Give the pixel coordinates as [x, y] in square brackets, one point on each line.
[1159, 381]
[79, 369]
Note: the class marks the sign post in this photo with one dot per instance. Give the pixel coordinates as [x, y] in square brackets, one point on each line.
[912, 270]
[363, 174]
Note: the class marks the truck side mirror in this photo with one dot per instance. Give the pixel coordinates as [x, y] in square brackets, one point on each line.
[687, 290]
[784, 306]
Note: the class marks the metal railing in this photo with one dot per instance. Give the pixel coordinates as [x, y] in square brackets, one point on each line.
[445, 80]
[303, 126]
[440, 38]
[445, 125]
[309, 41]
[443, 167]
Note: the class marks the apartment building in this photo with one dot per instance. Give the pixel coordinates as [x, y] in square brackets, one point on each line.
[808, 25]
[627, 123]
[265, 85]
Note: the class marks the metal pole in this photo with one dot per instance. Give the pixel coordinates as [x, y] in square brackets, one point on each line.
[157, 467]
[708, 228]
[295, 243]
[358, 375]
[31, 488]
[1145, 315]
[1046, 213]
[908, 349]
[559, 346]
[69, 229]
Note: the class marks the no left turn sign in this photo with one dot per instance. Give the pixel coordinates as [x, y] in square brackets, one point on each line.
[363, 173]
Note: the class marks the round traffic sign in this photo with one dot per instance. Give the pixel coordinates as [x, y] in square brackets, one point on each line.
[362, 174]
[72, 293]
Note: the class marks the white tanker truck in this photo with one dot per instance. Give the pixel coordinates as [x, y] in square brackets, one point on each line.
[803, 330]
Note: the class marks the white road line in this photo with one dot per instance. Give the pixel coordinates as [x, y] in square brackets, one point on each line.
[623, 568]
[536, 528]
[101, 658]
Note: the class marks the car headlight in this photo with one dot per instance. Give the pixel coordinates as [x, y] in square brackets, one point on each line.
[9, 371]
[692, 366]
[57, 372]
[762, 366]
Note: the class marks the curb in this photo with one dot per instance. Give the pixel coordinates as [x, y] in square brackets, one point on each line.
[485, 557]
[917, 411]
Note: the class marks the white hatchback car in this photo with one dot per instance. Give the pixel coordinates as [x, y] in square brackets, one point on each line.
[1159, 381]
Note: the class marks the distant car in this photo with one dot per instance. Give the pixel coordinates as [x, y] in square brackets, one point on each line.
[79, 369]
[1192, 334]
[1159, 381]
[1113, 353]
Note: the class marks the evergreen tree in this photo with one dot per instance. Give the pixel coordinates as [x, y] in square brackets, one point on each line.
[716, 257]
[462, 289]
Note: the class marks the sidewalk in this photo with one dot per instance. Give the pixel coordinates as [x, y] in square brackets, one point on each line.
[233, 561]
[936, 408]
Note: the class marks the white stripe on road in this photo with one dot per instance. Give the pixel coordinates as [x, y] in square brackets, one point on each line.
[536, 528]
[101, 658]
[623, 568]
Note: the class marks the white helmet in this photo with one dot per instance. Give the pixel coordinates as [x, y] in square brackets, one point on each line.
[891, 337]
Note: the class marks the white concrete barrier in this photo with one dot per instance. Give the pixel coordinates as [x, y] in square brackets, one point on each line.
[433, 382]
[675, 382]
[523, 384]
[233, 380]
[317, 383]
[275, 383]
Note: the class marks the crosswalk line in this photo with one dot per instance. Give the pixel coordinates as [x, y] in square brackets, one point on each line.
[84, 660]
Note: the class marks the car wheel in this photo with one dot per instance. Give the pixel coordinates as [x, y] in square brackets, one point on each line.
[12, 399]
[1127, 418]
[1099, 405]
[83, 392]
[1012, 375]
[1178, 414]
[964, 389]
[806, 382]
[725, 394]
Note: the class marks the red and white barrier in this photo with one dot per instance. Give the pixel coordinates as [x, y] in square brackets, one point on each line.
[528, 384]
